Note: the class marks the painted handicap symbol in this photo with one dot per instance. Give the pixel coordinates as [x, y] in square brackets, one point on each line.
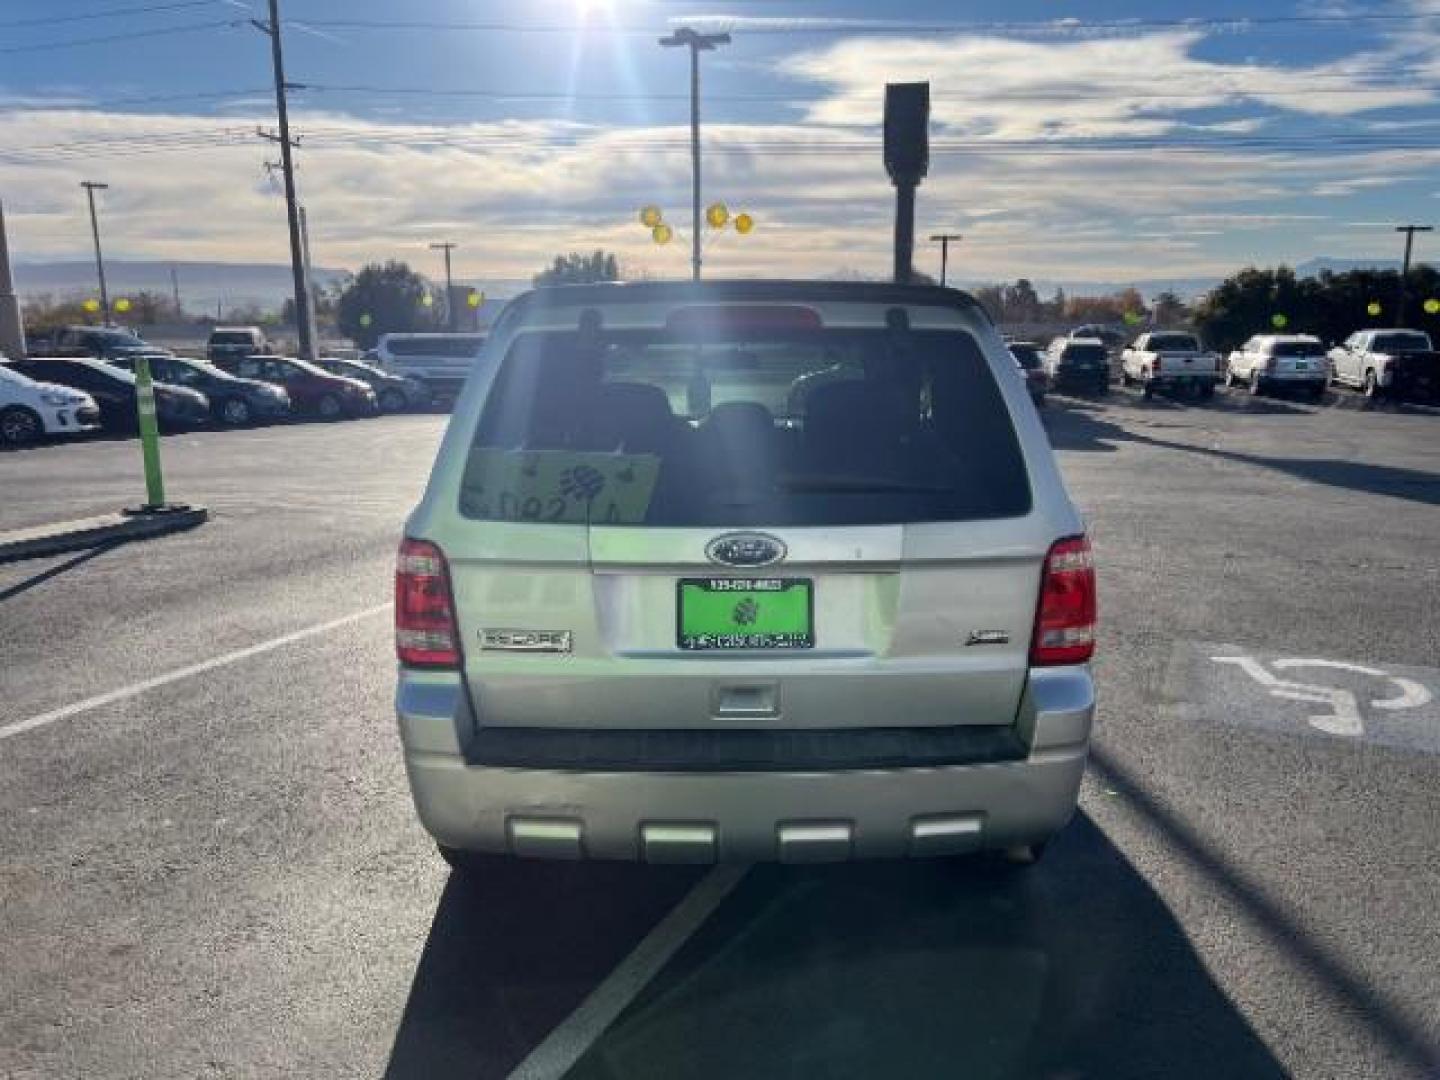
[1344, 717]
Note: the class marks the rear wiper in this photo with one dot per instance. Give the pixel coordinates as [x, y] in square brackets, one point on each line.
[850, 482]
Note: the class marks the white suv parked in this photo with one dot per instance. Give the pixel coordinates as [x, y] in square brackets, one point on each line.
[30, 409]
[744, 570]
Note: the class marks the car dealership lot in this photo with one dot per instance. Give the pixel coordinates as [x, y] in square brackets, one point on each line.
[209, 864]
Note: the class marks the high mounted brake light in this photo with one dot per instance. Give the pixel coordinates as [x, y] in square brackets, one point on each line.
[722, 318]
[1065, 615]
[426, 634]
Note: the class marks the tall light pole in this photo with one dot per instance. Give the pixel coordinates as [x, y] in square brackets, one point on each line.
[944, 240]
[1409, 231]
[91, 187]
[448, 247]
[696, 43]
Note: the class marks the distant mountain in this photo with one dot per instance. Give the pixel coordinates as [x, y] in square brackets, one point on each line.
[202, 284]
[1312, 267]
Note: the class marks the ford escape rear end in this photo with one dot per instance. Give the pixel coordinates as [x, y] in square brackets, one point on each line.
[744, 570]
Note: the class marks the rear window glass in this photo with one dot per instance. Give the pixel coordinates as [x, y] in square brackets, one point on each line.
[460, 345]
[1085, 353]
[1402, 343]
[232, 337]
[1173, 343]
[771, 427]
[1296, 348]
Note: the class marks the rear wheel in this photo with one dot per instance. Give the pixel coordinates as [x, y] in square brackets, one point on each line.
[1206, 391]
[328, 407]
[1371, 387]
[19, 426]
[1147, 391]
[392, 401]
[1254, 384]
[1229, 379]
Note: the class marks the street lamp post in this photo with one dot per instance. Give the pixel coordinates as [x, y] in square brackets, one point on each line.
[944, 240]
[448, 247]
[91, 187]
[696, 43]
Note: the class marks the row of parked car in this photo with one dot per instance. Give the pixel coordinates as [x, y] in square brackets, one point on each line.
[1398, 364]
[92, 386]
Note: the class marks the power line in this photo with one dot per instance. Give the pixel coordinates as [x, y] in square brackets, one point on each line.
[818, 25]
[85, 16]
[1119, 94]
[133, 35]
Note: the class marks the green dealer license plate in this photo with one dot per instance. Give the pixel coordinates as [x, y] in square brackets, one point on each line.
[746, 613]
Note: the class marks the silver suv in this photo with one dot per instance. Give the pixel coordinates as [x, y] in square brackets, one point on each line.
[744, 570]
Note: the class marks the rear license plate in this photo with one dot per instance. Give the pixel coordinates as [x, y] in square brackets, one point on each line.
[745, 613]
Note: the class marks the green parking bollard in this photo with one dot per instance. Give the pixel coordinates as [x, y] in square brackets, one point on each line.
[149, 435]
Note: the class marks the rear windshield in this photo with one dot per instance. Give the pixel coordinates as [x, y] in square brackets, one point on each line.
[1401, 343]
[1296, 348]
[232, 337]
[459, 345]
[1085, 354]
[773, 427]
[1173, 343]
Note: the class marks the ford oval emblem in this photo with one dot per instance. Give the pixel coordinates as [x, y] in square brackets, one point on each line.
[745, 549]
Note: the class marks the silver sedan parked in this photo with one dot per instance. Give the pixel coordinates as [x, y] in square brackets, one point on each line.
[744, 570]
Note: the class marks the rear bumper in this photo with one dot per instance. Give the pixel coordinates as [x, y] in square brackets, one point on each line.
[707, 816]
[1295, 378]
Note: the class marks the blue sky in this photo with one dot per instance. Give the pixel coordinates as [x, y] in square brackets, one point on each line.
[1122, 143]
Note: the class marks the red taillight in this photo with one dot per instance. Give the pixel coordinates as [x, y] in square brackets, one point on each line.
[1065, 617]
[425, 630]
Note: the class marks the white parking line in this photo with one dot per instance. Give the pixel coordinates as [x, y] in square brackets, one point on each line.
[579, 1031]
[65, 712]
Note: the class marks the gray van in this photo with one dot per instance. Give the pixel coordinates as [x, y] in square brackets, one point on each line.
[744, 570]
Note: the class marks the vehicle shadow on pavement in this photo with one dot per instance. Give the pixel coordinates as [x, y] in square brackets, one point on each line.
[964, 968]
[512, 952]
[1360, 995]
[1079, 430]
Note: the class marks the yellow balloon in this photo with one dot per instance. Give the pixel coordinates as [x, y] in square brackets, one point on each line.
[716, 215]
[91, 305]
[1279, 320]
[744, 223]
[427, 300]
[122, 304]
[650, 216]
[662, 233]
[365, 318]
[1374, 308]
[475, 299]
[1432, 307]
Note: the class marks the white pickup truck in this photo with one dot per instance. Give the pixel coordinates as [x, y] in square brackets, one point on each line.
[1388, 363]
[1170, 360]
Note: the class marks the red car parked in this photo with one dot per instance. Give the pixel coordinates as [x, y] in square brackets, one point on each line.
[312, 390]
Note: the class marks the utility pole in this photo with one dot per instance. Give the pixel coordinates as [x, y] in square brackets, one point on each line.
[175, 291]
[944, 240]
[91, 187]
[12, 322]
[1409, 231]
[448, 247]
[696, 43]
[287, 166]
[309, 280]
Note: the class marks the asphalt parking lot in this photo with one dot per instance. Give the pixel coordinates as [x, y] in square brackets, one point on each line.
[209, 865]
